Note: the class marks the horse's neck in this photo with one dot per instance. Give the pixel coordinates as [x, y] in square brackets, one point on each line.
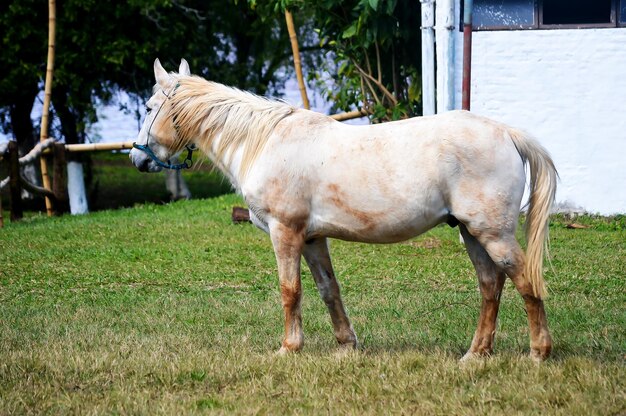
[229, 165]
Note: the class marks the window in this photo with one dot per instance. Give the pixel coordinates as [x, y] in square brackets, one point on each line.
[547, 14]
[576, 12]
[503, 14]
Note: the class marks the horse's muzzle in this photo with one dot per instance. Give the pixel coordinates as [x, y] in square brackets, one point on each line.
[142, 162]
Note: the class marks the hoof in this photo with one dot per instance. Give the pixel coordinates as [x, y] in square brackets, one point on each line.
[283, 351]
[347, 339]
[351, 344]
[540, 351]
[347, 347]
[539, 356]
[469, 357]
[475, 356]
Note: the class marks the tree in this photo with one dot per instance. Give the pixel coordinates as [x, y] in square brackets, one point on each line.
[23, 26]
[103, 47]
[376, 57]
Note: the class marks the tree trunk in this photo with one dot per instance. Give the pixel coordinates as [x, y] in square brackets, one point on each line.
[21, 123]
[24, 133]
[69, 120]
[14, 183]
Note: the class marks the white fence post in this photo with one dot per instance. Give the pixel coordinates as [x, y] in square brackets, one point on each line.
[76, 188]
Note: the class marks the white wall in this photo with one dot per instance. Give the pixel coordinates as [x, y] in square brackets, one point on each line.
[568, 89]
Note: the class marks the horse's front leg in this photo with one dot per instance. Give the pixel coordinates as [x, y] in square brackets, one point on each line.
[288, 243]
[318, 258]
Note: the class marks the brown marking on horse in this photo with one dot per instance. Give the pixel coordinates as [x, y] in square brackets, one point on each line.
[337, 196]
[281, 205]
[291, 296]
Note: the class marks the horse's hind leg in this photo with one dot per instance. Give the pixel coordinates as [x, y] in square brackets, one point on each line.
[318, 258]
[491, 280]
[506, 253]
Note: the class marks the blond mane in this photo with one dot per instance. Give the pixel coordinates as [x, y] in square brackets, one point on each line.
[201, 110]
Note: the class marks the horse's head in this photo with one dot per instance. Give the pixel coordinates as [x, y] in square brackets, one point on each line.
[157, 141]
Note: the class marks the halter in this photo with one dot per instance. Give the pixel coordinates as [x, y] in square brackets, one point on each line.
[187, 163]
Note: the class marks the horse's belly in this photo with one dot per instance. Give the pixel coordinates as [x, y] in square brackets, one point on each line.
[375, 226]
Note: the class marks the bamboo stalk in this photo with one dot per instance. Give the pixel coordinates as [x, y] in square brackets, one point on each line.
[350, 115]
[47, 94]
[92, 147]
[296, 58]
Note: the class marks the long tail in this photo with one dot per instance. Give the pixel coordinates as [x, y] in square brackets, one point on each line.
[543, 178]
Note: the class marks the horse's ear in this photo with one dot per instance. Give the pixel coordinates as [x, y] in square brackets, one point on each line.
[160, 74]
[183, 69]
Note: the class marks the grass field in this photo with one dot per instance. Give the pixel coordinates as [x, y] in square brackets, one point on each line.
[171, 309]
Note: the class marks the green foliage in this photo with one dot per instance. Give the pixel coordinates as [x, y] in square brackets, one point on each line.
[376, 55]
[23, 45]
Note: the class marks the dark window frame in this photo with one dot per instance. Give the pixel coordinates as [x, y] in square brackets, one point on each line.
[539, 25]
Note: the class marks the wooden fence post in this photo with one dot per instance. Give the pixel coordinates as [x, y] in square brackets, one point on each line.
[14, 182]
[59, 180]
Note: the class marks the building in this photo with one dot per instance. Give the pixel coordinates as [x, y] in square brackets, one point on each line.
[557, 69]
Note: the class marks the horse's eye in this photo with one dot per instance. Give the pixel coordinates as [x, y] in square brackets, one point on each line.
[148, 109]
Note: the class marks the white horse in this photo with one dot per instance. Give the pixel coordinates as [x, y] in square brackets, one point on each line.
[306, 178]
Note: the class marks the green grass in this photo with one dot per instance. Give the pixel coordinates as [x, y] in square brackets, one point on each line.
[171, 309]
